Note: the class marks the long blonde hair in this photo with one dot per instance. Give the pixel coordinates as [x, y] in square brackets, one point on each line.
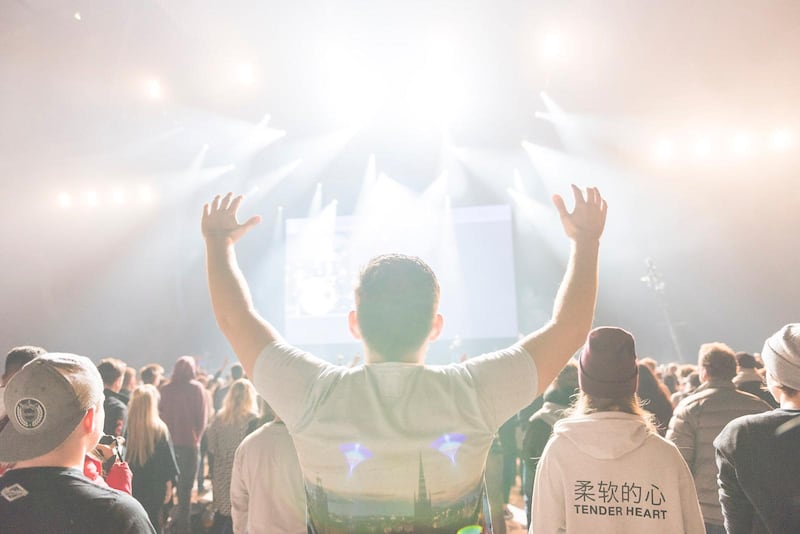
[145, 427]
[239, 404]
[587, 404]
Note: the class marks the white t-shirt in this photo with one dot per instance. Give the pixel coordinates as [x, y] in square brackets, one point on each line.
[394, 444]
[267, 494]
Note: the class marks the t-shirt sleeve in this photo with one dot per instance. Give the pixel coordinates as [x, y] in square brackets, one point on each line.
[506, 382]
[284, 375]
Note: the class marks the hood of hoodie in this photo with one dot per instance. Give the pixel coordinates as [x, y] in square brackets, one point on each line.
[184, 370]
[604, 435]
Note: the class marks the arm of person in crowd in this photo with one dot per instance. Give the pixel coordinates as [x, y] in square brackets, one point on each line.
[573, 311]
[246, 331]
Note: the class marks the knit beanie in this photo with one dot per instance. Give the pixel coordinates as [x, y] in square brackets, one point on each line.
[607, 366]
[781, 356]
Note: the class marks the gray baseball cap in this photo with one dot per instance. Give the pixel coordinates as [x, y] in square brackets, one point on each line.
[45, 401]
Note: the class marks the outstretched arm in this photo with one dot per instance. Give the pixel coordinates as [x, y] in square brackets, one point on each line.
[246, 331]
[553, 344]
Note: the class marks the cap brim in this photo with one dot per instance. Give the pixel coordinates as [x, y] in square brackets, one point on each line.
[18, 447]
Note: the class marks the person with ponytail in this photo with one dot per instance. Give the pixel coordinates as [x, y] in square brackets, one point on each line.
[226, 431]
[150, 453]
[606, 469]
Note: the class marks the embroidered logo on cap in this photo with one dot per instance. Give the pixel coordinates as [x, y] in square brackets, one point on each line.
[13, 492]
[30, 413]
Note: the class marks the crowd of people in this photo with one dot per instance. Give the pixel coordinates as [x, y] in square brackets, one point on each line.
[603, 440]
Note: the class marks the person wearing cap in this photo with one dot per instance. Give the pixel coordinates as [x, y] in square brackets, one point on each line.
[700, 417]
[759, 473]
[55, 416]
[606, 469]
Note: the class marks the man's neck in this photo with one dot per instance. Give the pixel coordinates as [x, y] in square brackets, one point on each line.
[417, 357]
[72, 458]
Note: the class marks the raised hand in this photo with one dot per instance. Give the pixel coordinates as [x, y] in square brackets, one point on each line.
[588, 218]
[219, 219]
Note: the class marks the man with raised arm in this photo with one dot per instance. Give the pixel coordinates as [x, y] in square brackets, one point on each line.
[396, 443]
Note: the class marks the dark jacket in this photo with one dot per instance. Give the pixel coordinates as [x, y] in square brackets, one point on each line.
[759, 475]
[116, 414]
[698, 419]
[183, 405]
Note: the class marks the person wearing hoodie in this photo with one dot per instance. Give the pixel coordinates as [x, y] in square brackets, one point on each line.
[183, 408]
[606, 469]
[557, 399]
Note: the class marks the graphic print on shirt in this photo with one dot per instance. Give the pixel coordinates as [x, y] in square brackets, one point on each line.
[611, 498]
[427, 508]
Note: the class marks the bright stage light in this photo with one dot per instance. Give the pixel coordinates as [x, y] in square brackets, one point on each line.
[702, 147]
[118, 197]
[91, 198]
[64, 200]
[664, 150]
[245, 74]
[741, 144]
[146, 195]
[77, 15]
[782, 139]
[154, 90]
[552, 46]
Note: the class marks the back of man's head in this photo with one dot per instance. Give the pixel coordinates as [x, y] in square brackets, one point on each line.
[46, 400]
[746, 360]
[151, 374]
[396, 301]
[19, 356]
[111, 370]
[718, 360]
[237, 371]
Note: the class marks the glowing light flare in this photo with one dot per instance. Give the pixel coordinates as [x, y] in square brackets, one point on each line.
[449, 444]
[702, 147]
[146, 194]
[552, 46]
[64, 200]
[741, 144]
[118, 197]
[355, 454]
[664, 150]
[782, 139]
[90, 197]
[154, 90]
[77, 16]
[245, 73]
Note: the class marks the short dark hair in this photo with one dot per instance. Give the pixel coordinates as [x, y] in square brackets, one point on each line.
[110, 370]
[396, 301]
[745, 360]
[19, 356]
[719, 360]
[237, 371]
[150, 373]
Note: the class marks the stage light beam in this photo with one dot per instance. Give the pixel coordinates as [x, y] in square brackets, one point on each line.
[64, 200]
[702, 147]
[245, 73]
[782, 140]
[154, 89]
[664, 150]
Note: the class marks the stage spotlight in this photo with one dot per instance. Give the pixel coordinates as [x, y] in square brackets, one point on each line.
[77, 15]
[146, 195]
[741, 144]
[91, 198]
[664, 150]
[781, 139]
[245, 74]
[552, 47]
[118, 197]
[64, 200]
[154, 90]
[702, 147]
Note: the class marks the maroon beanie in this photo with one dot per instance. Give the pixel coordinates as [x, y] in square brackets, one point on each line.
[607, 366]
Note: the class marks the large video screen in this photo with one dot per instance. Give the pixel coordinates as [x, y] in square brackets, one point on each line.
[470, 249]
